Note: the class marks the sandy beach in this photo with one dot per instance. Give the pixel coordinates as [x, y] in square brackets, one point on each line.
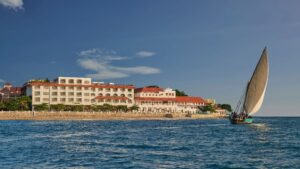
[29, 115]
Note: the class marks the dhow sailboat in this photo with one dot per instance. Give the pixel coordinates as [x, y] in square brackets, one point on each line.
[252, 99]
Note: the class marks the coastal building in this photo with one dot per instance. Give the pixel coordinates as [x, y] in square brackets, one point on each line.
[79, 91]
[9, 91]
[210, 101]
[156, 99]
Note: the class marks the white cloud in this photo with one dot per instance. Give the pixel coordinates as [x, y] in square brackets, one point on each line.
[139, 70]
[100, 62]
[2, 81]
[14, 4]
[144, 54]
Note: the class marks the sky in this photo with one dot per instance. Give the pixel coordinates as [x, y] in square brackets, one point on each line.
[205, 48]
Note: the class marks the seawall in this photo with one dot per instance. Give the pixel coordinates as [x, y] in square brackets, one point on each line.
[48, 115]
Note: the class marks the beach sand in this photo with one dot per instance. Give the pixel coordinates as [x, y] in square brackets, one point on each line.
[28, 115]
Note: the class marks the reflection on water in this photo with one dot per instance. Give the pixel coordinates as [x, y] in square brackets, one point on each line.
[268, 143]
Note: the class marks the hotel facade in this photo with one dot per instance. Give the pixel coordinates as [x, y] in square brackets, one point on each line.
[156, 99]
[82, 91]
[79, 91]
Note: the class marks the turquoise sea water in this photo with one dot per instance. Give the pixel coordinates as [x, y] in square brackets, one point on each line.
[268, 143]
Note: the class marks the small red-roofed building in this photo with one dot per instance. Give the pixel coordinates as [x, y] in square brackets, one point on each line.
[9, 91]
[156, 99]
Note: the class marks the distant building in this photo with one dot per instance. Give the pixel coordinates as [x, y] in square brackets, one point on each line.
[157, 99]
[79, 91]
[8, 91]
[210, 101]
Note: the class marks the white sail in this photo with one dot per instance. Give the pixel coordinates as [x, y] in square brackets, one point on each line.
[257, 85]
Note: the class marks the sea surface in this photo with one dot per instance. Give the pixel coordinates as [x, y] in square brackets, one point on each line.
[268, 143]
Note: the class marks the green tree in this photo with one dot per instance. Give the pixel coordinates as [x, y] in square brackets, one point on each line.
[122, 108]
[134, 108]
[208, 108]
[41, 107]
[2, 106]
[58, 107]
[226, 107]
[11, 105]
[24, 103]
[180, 93]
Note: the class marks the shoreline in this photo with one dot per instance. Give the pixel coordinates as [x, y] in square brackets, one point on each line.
[101, 116]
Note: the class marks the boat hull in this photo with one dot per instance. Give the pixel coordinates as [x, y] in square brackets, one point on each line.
[241, 121]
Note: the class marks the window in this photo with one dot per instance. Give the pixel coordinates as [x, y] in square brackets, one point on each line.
[129, 90]
[86, 82]
[71, 88]
[54, 93]
[54, 87]
[115, 89]
[46, 93]
[71, 99]
[78, 88]
[115, 95]
[100, 94]
[46, 99]
[129, 95]
[71, 93]
[37, 99]
[86, 94]
[107, 89]
[79, 81]
[93, 94]
[100, 89]
[71, 81]
[46, 87]
[62, 93]
[63, 81]
[86, 88]
[107, 94]
[54, 99]
[63, 99]
[79, 100]
[86, 100]
[79, 94]
[62, 87]
[37, 93]
[37, 87]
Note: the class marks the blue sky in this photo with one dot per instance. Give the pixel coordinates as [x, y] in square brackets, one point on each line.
[206, 48]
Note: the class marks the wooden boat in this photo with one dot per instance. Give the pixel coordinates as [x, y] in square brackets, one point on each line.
[252, 99]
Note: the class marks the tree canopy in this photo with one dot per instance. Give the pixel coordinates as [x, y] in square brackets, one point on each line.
[226, 107]
[180, 93]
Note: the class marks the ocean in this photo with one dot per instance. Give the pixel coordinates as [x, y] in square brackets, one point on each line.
[268, 143]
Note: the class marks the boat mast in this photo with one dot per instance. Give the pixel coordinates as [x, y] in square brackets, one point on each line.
[240, 106]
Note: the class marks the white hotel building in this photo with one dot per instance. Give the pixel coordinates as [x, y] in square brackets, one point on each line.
[82, 91]
[156, 99]
[79, 91]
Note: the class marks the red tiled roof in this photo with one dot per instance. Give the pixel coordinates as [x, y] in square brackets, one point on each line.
[112, 97]
[181, 99]
[12, 90]
[154, 99]
[148, 89]
[80, 85]
[189, 99]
